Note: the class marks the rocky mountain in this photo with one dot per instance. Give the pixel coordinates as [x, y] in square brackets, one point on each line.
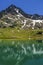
[14, 17]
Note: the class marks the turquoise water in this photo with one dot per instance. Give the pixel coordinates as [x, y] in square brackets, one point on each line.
[21, 52]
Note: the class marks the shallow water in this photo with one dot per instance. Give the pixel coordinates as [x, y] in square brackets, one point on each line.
[21, 52]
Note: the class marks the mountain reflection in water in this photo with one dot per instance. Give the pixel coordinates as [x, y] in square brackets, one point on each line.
[21, 52]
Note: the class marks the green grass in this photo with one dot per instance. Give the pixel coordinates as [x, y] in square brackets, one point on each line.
[17, 34]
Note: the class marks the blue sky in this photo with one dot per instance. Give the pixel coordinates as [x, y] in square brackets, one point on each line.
[29, 6]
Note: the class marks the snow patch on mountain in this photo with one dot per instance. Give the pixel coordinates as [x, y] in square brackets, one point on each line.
[34, 21]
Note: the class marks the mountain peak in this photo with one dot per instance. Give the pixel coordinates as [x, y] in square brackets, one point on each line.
[15, 17]
[13, 9]
[12, 6]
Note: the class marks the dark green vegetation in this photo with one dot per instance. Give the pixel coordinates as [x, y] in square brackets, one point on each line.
[21, 52]
[20, 34]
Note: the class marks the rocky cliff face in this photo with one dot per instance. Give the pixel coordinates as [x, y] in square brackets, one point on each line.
[15, 17]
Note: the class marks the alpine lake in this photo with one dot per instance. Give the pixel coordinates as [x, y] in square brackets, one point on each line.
[18, 52]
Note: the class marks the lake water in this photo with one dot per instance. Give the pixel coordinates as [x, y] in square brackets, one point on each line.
[21, 52]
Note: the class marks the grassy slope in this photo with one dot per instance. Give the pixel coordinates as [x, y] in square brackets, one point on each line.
[11, 33]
